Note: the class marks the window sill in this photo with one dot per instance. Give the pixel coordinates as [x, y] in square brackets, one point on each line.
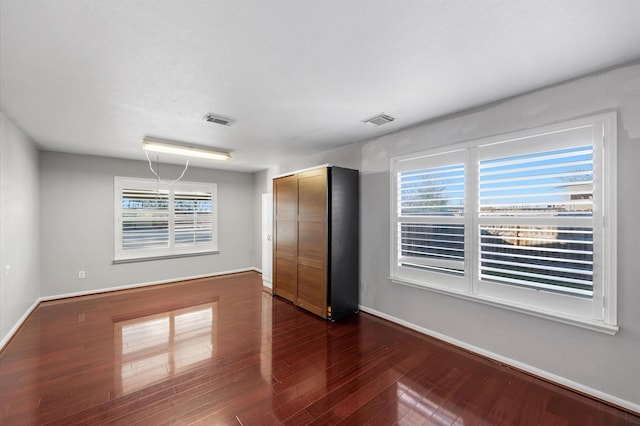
[167, 256]
[554, 316]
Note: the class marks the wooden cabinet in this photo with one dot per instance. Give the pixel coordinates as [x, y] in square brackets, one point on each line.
[316, 237]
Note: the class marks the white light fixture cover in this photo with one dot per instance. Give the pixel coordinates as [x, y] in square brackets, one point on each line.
[189, 151]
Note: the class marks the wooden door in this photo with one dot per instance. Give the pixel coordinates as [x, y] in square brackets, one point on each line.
[312, 241]
[285, 241]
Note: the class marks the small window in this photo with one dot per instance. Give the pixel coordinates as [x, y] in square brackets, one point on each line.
[525, 221]
[157, 220]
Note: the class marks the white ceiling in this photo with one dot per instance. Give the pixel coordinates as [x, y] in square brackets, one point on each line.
[96, 76]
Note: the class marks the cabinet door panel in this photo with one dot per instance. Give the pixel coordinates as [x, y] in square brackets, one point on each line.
[312, 241]
[312, 190]
[286, 197]
[312, 290]
[312, 238]
[284, 284]
[285, 247]
[286, 238]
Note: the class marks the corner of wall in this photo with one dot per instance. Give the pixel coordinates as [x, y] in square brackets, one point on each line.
[19, 227]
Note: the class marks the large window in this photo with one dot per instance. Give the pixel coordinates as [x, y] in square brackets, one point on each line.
[525, 221]
[153, 219]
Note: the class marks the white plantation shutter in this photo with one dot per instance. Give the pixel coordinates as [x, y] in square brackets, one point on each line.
[435, 192]
[145, 219]
[432, 246]
[541, 203]
[545, 257]
[525, 220]
[430, 214]
[156, 220]
[193, 218]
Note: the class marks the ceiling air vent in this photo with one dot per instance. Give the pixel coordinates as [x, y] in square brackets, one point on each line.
[379, 119]
[218, 119]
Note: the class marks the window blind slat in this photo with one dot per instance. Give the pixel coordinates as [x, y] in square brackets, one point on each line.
[544, 156]
[502, 169]
[558, 178]
[544, 267]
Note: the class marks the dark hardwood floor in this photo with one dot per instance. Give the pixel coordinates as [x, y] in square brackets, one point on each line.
[222, 352]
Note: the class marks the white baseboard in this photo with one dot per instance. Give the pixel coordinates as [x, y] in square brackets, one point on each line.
[511, 362]
[24, 317]
[265, 283]
[150, 283]
[17, 325]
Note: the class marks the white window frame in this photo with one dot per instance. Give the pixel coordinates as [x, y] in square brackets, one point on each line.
[173, 250]
[598, 313]
[436, 280]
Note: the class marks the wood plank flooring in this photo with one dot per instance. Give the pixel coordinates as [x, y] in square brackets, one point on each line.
[220, 351]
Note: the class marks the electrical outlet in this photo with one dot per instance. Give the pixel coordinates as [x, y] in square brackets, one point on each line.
[80, 275]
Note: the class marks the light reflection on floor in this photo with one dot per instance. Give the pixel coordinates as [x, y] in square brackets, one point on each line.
[155, 347]
[415, 408]
[266, 343]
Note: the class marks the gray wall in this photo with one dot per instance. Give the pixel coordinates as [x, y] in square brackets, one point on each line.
[78, 229]
[19, 226]
[608, 364]
[346, 156]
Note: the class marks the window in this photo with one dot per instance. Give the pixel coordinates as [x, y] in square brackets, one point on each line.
[157, 220]
[431, 217]
[524, 221]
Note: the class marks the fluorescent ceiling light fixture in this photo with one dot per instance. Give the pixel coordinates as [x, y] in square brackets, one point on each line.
[189, 151]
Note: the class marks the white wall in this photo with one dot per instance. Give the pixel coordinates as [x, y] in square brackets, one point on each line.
[596, 362]
[19, 226]
[261, 185]
[78, 227]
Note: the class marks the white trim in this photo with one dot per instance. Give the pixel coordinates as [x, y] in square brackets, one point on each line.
[509, 361]
[168, 256]
[265, 283]
[610, 221]
[513, 306]
[18, 324]
[147, 284]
